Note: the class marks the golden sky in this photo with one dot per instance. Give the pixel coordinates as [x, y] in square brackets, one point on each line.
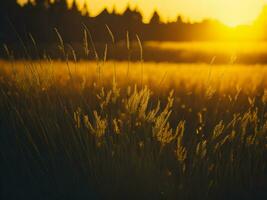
[230, 12]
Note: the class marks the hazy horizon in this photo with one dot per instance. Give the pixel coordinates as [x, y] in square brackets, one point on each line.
[229, 12]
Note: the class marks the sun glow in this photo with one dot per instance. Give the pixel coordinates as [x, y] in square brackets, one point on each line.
[230, 12]
[236, 12]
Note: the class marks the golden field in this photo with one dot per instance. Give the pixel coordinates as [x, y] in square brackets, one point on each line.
[134, 130]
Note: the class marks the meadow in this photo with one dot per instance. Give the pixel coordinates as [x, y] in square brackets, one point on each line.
[242, 52]
[132, 130]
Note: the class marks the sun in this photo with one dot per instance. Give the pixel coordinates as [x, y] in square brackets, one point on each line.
[236, 12]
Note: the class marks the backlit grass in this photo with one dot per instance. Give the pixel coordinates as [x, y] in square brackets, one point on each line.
[148, 131]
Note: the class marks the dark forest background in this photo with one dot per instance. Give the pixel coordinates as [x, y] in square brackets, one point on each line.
[41, 17]
[20, 25]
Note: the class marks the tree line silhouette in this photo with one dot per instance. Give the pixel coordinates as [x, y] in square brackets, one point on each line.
[39, 18]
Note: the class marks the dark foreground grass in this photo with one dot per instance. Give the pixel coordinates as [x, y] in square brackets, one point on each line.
[104, 139]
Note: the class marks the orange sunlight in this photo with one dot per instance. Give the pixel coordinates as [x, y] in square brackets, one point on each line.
[230, 12]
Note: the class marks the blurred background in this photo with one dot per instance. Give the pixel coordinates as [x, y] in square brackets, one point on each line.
[178, 31]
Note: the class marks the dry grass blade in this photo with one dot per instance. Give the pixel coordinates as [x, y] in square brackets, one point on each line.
[141, 58]
[92, 42]
[85, 42]
[127, 41]
[7, 50]
[105, 53]
[140, 47]
[73, 53]
[61, 42]
[33, 40]
[110, 34]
